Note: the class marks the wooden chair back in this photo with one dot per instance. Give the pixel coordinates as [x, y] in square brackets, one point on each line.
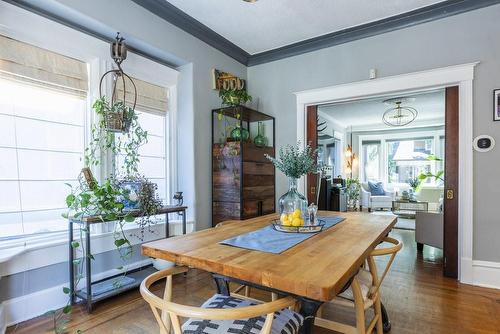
[167, 313]
[386, 251]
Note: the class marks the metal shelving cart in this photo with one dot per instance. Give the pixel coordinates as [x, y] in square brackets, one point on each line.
[136, 276]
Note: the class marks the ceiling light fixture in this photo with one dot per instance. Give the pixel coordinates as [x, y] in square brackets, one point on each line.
[399, 115]
[250, 1]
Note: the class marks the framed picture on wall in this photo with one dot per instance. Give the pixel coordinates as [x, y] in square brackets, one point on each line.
[496, 104]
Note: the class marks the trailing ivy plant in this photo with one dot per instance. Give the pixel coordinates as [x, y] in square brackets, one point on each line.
[234, 97]
[106, 200]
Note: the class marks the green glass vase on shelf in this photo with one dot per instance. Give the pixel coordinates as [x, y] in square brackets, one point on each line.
[240, 134]
[260, 140]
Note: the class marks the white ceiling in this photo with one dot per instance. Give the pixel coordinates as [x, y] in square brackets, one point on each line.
[269, 24]
[366, 115]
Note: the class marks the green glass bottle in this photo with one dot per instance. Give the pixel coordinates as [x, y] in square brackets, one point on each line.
[260, 140]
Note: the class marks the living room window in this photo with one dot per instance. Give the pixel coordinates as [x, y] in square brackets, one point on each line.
[371, 160]
[42, 121]
[406, 159]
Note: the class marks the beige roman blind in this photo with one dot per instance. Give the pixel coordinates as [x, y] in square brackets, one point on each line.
[28, 63]
[150, 98]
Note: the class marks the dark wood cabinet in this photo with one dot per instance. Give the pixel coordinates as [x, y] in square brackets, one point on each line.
[243, 180]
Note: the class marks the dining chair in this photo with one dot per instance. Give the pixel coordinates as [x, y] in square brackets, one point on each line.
[363, 293]
[219, 314]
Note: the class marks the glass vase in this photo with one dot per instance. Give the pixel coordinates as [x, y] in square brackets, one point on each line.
[293, 206]
[260, 140]
[240, 134]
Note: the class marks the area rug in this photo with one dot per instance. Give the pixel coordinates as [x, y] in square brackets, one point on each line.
[403, 223]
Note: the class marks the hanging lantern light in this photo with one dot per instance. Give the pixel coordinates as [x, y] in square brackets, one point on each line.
[118, 118]
[399, 115]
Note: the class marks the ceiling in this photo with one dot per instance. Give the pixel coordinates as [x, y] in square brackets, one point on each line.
[366, 115]
[270, 24]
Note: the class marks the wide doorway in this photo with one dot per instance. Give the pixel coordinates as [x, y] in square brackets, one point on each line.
[400, 151]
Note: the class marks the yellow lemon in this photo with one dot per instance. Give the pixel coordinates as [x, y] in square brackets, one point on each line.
[283, 217]
[290, 217]
[297, 213]
[297, 222]
[286, 223]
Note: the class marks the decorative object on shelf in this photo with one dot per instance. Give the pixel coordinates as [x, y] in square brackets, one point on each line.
[234, 97]
[496, 105]
[399, 115]
[132, 191]
[294, 162]
[224, 80]
[231, 153]
[240, 134]
[243, 182]
[353, 190]
[178, 198]
[260, 140]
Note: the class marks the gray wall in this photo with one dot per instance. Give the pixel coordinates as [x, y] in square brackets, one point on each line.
[459, 39]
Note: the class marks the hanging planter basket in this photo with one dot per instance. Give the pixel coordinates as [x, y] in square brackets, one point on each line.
[117, 114]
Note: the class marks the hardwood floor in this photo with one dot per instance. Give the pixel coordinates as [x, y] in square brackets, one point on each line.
[417, 297]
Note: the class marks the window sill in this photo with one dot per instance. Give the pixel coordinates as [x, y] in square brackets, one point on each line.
[33, 253]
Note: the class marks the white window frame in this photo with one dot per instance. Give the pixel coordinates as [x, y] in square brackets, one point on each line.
[30, 28]
[384, 138]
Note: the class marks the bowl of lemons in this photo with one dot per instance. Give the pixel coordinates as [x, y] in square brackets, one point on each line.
[294, 222]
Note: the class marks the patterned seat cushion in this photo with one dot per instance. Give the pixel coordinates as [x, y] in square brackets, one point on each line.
[285, 321]
[365, 281]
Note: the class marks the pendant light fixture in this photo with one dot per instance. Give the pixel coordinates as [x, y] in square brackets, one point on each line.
[399, 115]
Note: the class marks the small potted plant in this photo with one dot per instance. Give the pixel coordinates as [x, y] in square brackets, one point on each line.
[235, 98]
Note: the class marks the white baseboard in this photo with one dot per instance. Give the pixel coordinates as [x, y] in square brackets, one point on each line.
[486, 274]
[27, 307]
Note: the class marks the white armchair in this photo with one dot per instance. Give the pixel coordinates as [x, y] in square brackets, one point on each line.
[375, 202]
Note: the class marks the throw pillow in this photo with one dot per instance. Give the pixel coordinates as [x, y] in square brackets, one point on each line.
[376, 188]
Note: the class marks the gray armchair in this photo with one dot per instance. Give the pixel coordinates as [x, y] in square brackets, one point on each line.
[429, 229]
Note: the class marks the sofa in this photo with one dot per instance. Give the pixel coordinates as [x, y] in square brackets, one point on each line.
[429, 229]
[372, 202]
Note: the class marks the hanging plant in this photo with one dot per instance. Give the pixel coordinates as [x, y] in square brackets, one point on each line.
[233, 98]
[107, 200]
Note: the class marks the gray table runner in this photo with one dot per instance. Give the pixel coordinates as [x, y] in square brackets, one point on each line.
[269, 240]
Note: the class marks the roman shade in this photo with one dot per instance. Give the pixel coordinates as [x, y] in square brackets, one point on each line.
[28, 63]
[150, 98]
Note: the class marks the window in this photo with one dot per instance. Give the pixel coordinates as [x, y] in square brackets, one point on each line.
[151, 107]
[371, 160]
[41, 149]
[406, 159]
[42, 126]
[153, 162]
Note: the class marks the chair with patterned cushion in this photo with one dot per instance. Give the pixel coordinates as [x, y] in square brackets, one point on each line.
[363, 293]
[219, 314]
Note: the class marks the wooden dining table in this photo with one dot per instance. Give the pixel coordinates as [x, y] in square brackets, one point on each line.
[314, 271]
